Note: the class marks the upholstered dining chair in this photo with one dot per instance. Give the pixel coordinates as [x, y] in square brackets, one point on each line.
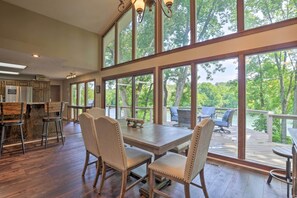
[184, 169]
[89, 136]
[115, 155]
[96, 112]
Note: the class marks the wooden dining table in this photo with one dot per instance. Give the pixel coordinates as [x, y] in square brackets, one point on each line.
[157, 139]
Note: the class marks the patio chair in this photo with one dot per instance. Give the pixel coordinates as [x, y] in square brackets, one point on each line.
[173, 113]
[184, 117]
[207, 112]
[226, 121]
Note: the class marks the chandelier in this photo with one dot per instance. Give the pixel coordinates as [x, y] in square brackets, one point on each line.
[71, 75]
[141, 5]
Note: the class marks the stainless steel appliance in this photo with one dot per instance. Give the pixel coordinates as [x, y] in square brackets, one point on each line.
[18, 94]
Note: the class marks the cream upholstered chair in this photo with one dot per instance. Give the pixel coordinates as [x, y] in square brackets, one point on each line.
[184, 169]
[89, 136]
[115, 155]
[96, 112]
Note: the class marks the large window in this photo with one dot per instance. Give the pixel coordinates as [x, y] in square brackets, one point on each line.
[259, 12]
[109, 48]
[271, 104]
[125, 37]
[124, 89]
[176, 30]
[177, 96]
[215, 18]
[217, 87]
[110, 98]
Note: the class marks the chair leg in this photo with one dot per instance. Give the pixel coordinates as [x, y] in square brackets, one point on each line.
[61, 131]
[22, 139]
[151, 184]
[269, 179]
[57, 133]
[203, 183]
[43, 133]
[2, 140]
[86, 163]
[124, 183]
[187, 190]
[46, 133]
[102, 177]
[98, 171]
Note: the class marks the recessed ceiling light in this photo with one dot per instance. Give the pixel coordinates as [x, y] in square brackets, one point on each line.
[9, 72]
[35, 55]
[15, 66]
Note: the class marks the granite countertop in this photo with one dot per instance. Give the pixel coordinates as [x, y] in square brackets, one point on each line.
[293, 132]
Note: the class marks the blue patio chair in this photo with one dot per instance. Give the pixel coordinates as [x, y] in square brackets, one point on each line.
[173, 113]
[207, 112]
[226, 121]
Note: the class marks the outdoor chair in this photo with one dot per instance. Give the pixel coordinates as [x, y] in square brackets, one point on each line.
[174, 114]
[207, 112]
[226, 122]
[185, 169]
[184, 117]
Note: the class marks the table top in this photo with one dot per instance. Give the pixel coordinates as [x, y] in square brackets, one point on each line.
[155, 138]
[293, 133]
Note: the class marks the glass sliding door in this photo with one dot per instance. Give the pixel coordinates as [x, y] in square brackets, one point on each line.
[124, 89]
[110, 98]
[144, 97]
[217, 89]
[81, 96]
[177, 96]
[73, 98]
[90, 93]
[271, 104]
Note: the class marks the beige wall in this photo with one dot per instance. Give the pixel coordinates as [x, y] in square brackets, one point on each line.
[24, 31]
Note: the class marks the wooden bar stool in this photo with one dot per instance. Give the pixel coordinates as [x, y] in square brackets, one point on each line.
[12, 115]
[274, 173]
[54, 112]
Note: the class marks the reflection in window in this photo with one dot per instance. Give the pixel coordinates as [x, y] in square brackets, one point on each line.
[110, 98]
[109, 48]
[176, 30]
[145, 35]
[258, 12]
[124, 88]
[271, 99]
[125, 37]
[177, 96]
[217, 87]
[215, 18]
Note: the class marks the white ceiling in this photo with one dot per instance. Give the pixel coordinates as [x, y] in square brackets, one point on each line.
[92, 15]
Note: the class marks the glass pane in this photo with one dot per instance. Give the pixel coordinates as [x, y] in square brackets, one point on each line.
[109, 48]
[215, 18]
[90, 93]
[81, 96]
[144, 98]
[125, 38]
[177, 96]
[258, 12]
[145, 35]
[271, 98]
[124, 88]
[217, 90]
[110, 98]
[176, 30]
[73, 94]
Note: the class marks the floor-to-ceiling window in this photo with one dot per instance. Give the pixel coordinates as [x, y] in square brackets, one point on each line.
[110, 98]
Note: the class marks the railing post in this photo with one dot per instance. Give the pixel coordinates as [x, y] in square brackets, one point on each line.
[269, 126]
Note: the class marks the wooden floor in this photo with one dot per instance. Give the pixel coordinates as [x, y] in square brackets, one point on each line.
[56, 172]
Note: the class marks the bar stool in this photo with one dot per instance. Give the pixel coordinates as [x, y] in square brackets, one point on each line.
[287, 153]
[54, 112]
[14, 109]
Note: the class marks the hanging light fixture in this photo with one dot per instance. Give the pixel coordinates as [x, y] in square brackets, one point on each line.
[71, 75]
[141, 5]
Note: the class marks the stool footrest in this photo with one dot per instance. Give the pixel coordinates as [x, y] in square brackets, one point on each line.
[278, 176]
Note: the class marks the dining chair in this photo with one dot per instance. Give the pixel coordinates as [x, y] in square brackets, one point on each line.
[184, 169]
[96, 112]
[115, 155]
[8, 109]
[87, 126]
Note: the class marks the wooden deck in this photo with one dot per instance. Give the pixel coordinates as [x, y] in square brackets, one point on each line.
[56, 172]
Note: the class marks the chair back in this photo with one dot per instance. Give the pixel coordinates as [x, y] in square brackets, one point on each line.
[87, 126]
[111, 144]
[208, 111]
[228, 116]
[96, 112]
[12, 108]
[198, 149]
[173, 113]
[54, 107]
[184, 117]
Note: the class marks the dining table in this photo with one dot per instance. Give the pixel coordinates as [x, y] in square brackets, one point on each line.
[157, 139]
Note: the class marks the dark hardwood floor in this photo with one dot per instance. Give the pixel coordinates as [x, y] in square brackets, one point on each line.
[56, 172]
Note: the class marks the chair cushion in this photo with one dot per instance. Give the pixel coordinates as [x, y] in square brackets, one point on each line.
[170, 164]
[221, 123]
[136, 156]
